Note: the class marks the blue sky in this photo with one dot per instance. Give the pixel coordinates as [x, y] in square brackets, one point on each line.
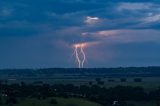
[41, 33]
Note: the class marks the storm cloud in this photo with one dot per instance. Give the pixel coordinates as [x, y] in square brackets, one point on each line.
[39, 34]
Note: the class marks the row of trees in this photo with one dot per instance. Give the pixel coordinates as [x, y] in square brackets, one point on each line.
[102, 95]
[121, 71]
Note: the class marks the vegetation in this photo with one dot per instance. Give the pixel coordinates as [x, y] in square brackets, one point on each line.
[28, 93]
[80, 87]
[60, 102]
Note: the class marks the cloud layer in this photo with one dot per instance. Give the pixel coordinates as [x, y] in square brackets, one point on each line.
[41, 33]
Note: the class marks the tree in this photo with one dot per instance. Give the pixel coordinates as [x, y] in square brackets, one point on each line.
[100, 82]
[90, 83]
[137, 80]
[123, 79]
[98, 79]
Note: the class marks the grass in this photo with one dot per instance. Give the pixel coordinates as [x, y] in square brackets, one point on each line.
[61, 102]
[144, 103]
[75, 102]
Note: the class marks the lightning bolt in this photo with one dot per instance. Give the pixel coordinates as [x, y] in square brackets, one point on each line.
[84, 56]
[80, 54]
[77, 57]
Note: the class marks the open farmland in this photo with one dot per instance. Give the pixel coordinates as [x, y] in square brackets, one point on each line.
[110, 77]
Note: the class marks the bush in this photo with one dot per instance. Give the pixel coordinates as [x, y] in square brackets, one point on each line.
[90, 83]
[12, 100]
[71, 105]
[53, 101]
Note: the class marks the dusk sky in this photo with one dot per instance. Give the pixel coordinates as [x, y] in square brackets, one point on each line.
[41, 33]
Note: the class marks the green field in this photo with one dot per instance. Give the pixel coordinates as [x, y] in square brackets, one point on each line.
[60, 102]
[73, 102]
[147, 82]
[144, 103]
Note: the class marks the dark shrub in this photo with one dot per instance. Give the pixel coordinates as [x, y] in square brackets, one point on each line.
[53, 101]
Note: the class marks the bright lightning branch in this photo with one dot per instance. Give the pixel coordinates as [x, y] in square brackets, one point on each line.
[80, 54]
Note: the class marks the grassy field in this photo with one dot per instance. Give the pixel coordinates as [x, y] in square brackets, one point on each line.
[60, 102]
[144, 103]
[147, 82]
[74, 102]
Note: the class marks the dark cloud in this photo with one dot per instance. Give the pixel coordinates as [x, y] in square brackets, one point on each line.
[41, 33]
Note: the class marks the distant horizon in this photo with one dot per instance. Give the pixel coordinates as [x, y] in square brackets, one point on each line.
[79, 68]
